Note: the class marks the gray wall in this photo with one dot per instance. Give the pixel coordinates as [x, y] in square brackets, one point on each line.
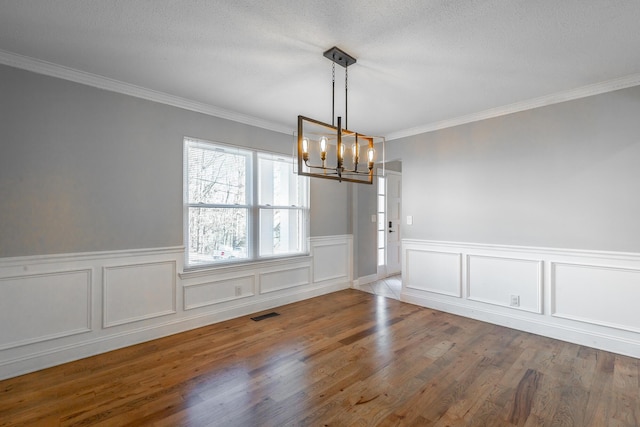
[563, 176]
[395, 165]
[83, 169]
[330, 207]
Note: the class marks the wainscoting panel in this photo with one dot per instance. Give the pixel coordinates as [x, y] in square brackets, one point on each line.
[138, 291]
[219, 291]
[596, 294]
[331, 258]
[495, 280]
[585, 297]
[433, 271]
[271, 281]
[41, 307]
[65, 307]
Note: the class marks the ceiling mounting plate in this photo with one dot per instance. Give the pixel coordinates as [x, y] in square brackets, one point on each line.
[340, 57]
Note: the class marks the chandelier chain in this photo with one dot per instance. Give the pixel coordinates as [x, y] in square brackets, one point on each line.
[333, 93]
[346, 92]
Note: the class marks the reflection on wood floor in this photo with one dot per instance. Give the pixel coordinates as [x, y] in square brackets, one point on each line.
[388, 287]
[348, 358]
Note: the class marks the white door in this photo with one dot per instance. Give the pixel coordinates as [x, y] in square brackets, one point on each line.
[394, 193]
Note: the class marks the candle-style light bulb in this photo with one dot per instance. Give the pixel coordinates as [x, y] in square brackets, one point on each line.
[323, 144]
[341, 151]
[323, 149]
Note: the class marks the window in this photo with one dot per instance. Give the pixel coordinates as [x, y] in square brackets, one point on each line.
[241, 205]
[381, 221]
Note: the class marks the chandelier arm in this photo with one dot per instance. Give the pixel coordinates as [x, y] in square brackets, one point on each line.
[334, 171]
[328, 171]
[354, 172]
[306, 163]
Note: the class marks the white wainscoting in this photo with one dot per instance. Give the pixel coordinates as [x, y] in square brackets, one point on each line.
[433, 271]
[279, 279]
[70, 306]
[332, 258]
[229, 288]
[138, 291]
[520, 278]
[596, 294]
[585, 297]
[44, 306]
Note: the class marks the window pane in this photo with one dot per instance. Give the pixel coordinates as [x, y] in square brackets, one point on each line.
[381, 239]
[380, 203]
[380, 256]
[381, 221]
[278, 185]
[280, 231]
[216, 176]
[380, 185]
[217, 234]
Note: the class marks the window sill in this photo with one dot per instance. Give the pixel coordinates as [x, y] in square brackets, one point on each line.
[205, 270]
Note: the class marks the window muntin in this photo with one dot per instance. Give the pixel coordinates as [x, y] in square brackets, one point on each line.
[226, 220]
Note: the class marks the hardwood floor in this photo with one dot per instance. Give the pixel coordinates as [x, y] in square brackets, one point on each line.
[345, 359]
[388, 287]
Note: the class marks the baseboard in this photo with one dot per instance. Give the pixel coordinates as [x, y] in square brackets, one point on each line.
[64, 307]
[63, 354]
[585, 297]
[576, 335]
[364, 280]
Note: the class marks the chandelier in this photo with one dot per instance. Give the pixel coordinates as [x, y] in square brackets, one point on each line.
[331, 151]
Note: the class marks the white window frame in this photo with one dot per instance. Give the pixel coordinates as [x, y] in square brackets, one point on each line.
[381, 229]
[252, 203]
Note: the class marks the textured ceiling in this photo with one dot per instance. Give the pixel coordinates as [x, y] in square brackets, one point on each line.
[419, 62]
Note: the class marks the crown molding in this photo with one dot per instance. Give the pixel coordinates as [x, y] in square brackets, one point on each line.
[543, 101]
[101, 82]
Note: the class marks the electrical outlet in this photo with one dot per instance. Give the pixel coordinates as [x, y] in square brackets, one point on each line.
[238, 291]
[515, 301]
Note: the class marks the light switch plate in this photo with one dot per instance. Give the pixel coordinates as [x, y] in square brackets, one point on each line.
[373, 218]
[409, 219]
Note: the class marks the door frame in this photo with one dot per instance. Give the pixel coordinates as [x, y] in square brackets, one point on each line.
[382, 270]
[398, 225]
